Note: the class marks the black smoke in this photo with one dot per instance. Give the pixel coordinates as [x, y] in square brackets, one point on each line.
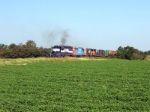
[57, 36]
[64, 37]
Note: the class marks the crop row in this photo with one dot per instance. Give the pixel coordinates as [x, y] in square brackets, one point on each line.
[106, 85]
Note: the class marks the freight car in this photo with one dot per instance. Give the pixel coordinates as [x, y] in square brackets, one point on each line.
[90, 52]
[100, 53]
[61, 51]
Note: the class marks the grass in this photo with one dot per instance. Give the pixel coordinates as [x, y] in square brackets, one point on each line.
[148, 57]
[25, 61]
[62, 85]
[21, 61]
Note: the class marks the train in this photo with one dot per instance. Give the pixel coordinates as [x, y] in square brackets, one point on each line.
[64, 50]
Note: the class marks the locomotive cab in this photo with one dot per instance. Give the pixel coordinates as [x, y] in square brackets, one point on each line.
[56, 51]
[61, 51]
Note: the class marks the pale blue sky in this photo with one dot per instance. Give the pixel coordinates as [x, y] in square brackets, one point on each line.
[103, 24]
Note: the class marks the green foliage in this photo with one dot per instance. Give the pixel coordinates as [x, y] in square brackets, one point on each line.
[12, 46]
[29, 49]
[76, 86]
[3, 46]
[130, 53]
[23, 51]
[30, 44]
[147, 52]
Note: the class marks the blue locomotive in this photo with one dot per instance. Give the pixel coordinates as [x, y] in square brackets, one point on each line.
[79, 51]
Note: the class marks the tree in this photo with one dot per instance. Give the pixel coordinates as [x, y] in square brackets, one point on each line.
[120, 53]
[147, 52]
[12, 46]
[3, 46]
[129, 53]
[31, 43]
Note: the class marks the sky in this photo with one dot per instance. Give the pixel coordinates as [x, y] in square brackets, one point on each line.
[100, 24]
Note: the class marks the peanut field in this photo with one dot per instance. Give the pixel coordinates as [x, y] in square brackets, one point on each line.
[75, 86]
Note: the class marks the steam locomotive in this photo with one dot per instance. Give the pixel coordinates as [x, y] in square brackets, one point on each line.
[62, 50]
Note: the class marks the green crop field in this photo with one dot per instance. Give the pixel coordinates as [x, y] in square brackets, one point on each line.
[75, 86]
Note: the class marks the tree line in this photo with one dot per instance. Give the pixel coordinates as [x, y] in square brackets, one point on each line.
[131, 53]
[29, 49]
[26, 50]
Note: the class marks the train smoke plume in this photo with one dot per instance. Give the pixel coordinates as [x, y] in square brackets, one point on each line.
[64, 37]
[57, 36]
